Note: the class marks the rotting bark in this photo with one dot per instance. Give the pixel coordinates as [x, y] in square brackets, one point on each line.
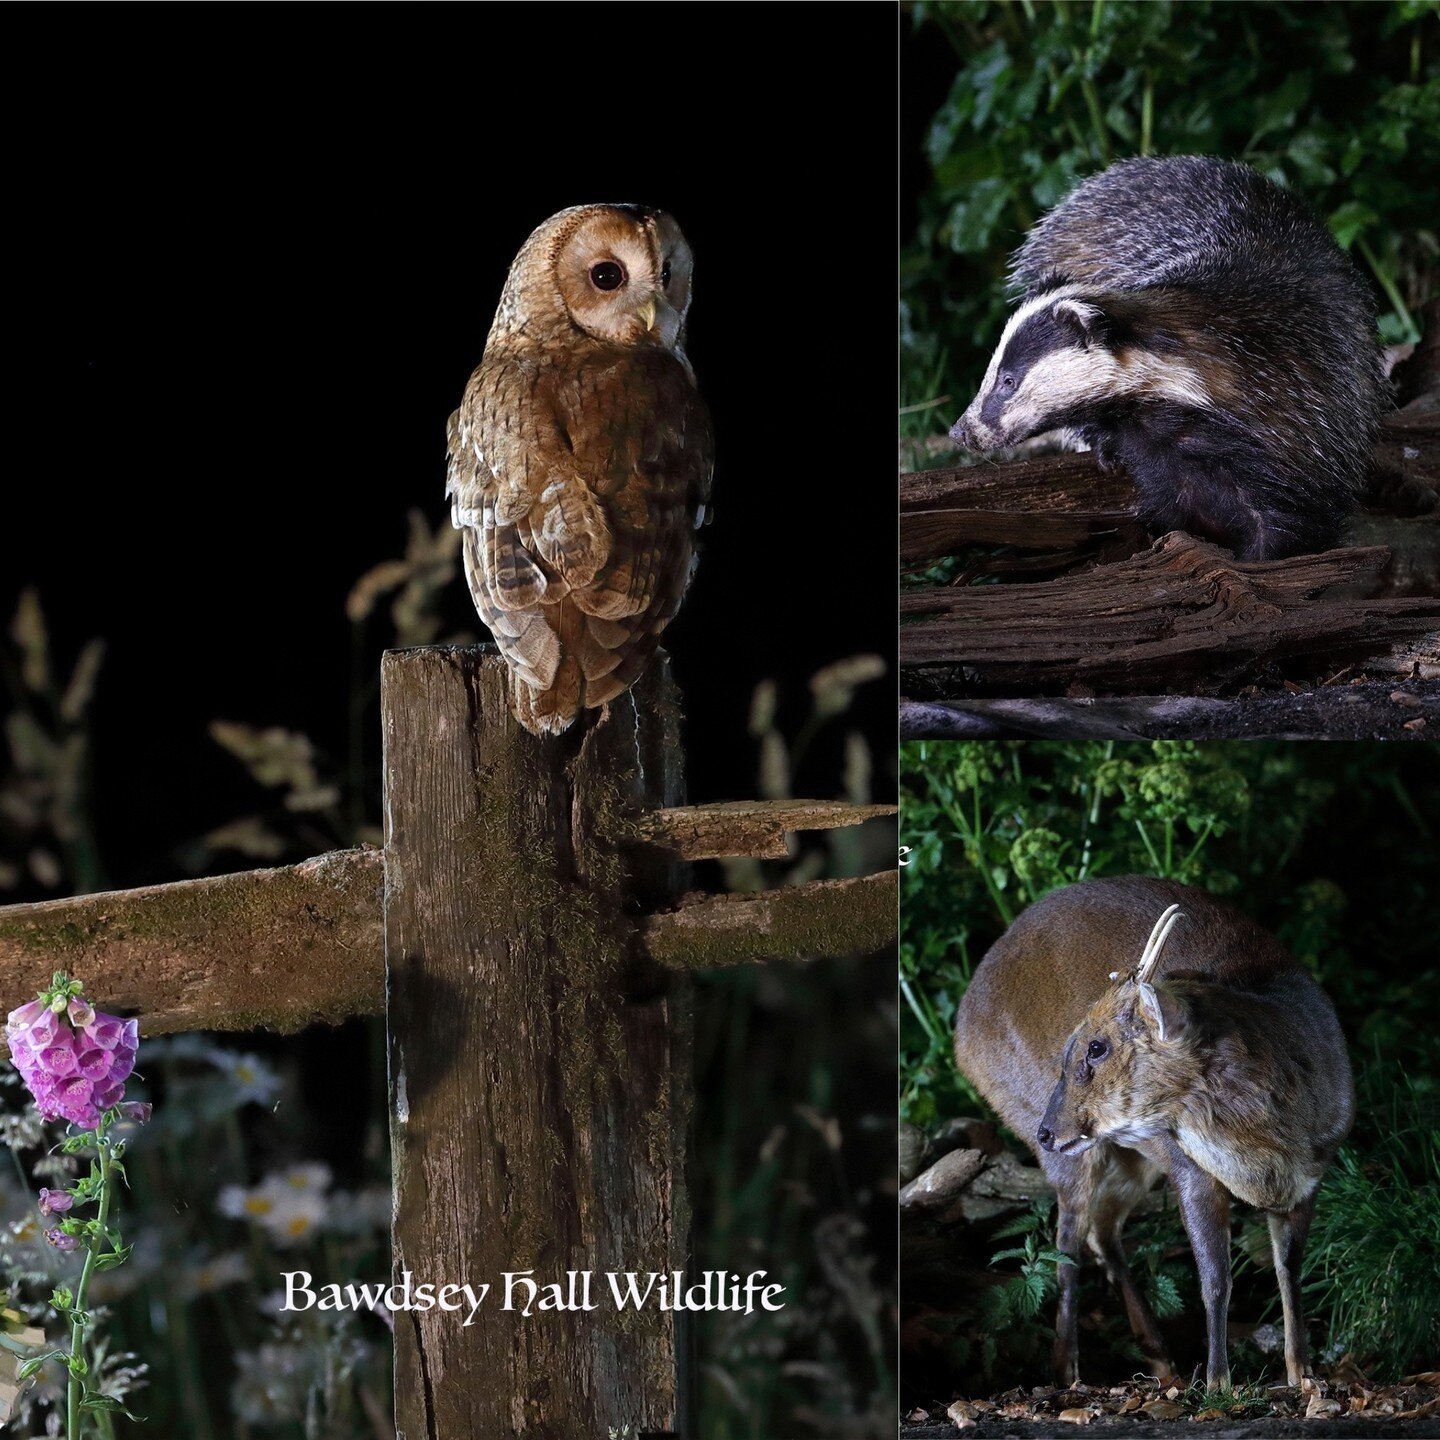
[1060, 501]
[799, 922]
[1181, 613]
[538, 1115]
[754, 828]
[1372, 710]
[1046, 504]
[281, 948]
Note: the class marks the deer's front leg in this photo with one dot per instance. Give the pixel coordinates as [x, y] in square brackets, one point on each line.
[1205, 1209]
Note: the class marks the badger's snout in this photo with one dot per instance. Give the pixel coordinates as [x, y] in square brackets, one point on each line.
[961, 433]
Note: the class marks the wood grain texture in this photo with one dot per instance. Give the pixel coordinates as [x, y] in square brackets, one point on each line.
[280, 948]
[755, 828]
[537, 1115]
[1181, 612]
[1047, 504]
[1374, 710]
[1055, 502]
[799, 922]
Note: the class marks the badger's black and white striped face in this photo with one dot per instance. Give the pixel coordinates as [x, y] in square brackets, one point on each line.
[1057, 362]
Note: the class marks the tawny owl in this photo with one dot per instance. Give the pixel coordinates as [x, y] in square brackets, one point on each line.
[580, 458]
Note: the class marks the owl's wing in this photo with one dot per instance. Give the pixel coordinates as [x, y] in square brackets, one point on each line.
[501, 447]
[578, 487]
[644, 451]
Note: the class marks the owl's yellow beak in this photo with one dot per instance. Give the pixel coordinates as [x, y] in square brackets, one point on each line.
[646, 312]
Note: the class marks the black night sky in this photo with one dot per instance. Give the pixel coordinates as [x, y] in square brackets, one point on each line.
[252, 264]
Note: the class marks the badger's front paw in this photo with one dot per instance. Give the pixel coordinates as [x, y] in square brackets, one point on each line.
[1107, 454]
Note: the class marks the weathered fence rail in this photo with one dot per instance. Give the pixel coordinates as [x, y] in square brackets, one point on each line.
[526, 932]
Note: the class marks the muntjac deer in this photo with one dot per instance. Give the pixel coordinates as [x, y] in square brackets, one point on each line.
[1204, 1053]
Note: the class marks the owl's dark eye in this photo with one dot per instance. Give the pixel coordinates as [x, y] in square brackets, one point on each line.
[665, 273]
[1007, 382]
[1097, 1049]
[607, 275]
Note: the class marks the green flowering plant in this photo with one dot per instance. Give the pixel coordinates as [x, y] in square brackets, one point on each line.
[75, 1060]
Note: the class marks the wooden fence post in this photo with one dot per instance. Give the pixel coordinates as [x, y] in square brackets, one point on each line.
[538, 1115]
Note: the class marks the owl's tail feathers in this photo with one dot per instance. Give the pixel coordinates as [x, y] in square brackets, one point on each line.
[598, 660]
[543, 712]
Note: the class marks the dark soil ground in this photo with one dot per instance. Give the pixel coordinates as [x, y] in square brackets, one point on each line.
[1272, 1427]
[1411, 1408]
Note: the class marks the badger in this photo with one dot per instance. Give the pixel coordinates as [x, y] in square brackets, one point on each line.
[1195, 323]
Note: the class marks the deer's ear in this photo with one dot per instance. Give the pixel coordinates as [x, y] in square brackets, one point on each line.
[1163, 1012]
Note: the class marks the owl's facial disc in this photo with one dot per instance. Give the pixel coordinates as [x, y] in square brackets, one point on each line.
[624, 276]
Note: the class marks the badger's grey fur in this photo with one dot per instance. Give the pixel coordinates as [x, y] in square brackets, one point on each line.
[1194, 322]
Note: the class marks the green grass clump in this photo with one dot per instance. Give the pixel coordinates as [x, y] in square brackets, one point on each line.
[1372, 1266]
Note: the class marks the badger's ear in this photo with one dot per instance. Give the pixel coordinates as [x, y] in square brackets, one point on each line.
[1162, 1011]
[1086, 322]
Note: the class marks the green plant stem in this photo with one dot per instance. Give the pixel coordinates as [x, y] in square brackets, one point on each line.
[1388, 285]
[75, 1386]
[1149, 848]
[1204, 836]
[1097, 119]
[1147, 115]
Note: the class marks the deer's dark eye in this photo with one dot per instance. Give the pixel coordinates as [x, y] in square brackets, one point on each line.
[1007, 382]
[665, 274]
[607, 275]
[1097, 1049]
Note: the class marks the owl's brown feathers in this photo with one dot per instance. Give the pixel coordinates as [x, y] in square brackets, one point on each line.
[580, 459]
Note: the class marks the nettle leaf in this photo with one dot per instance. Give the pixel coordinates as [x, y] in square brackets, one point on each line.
[1014, 1253]
[1034, 1288]
[1165, 1297]
[1057, 1257]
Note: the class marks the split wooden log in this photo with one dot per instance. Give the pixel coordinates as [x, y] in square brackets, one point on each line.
[1180, 613]
[1057, 502]
[754, 828]
[1375, 710]
[1046, 504]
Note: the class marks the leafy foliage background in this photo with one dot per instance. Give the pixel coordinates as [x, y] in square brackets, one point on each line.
[1340, 102]
[1333, 848]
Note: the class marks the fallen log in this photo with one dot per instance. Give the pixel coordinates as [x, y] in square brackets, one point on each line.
[1373, 710]
[1180, 613]
[1060, 501]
